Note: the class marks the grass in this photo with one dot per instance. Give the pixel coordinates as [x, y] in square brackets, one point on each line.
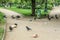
[1, 33]
[26, 12]
[1, 18]
[2, 21]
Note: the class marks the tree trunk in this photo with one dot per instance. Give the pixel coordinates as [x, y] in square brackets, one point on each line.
[33, 7]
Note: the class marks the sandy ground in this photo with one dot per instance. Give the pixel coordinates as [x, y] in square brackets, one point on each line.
[46, 30]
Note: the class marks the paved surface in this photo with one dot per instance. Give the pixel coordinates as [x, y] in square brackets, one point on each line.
[46, 30]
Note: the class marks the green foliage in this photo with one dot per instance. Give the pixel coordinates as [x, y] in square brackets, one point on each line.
[49, 6]
[39, 3]
[26, 5]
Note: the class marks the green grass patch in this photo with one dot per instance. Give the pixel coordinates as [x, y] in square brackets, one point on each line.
[1, 33]
[2, 21]
[25, 12]
[28, 12]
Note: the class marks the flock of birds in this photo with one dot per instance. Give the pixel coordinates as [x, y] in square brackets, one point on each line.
[11, 27]
[15, 25]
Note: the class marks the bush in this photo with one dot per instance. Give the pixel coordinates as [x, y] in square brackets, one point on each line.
[38, 7]
[49, 6]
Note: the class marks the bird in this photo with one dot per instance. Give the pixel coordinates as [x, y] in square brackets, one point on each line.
[28, 28]
[56, 16]
[10, 28]
[17, 16]
[4, 16]
[13, 17]
[49, 18]
[34, 18]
